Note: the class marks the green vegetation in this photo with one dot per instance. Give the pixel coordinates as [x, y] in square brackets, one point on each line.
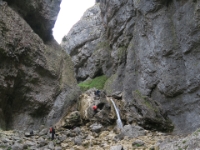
[145, 100]
[9, 148]
[97, 82]
[3, 147]
[109, 84]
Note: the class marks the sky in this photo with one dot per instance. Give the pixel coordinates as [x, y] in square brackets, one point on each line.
[70, 13]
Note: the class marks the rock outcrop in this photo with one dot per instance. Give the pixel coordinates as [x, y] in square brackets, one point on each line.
[147, 48]
[37, 84]
[41, 15]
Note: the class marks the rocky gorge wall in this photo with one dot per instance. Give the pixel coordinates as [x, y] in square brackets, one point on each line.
[150, 52]
[37, 84]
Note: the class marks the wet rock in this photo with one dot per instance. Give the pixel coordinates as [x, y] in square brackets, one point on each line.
[77, 130]
[117, 95]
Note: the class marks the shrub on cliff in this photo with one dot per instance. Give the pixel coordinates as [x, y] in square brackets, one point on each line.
[97, 82]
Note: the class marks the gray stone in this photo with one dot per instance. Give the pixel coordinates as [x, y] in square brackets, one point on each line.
[44, 131]
[17, 146]
[27, 134]
[117, 147]
[51, 145]
[78, 140]
[77, 130]
[42, 142]
[30, 143]
[96, 127]
[62, 137]
[58, 148]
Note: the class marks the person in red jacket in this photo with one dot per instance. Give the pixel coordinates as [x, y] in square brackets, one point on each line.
[95, 108]
[52, 131]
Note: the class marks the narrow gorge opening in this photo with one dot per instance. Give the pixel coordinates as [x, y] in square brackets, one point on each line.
[70, 13]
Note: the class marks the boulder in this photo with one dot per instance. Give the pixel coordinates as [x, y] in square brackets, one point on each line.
[105, 113]
[96, 127]
[72, 120]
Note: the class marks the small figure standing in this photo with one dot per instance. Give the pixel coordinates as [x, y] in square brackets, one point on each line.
[97, 93]
[52, 131]
[31, 133]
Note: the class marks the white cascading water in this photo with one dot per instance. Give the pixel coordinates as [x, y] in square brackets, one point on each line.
[119, 122]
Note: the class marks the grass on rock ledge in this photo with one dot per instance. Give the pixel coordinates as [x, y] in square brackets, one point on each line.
[97, 82]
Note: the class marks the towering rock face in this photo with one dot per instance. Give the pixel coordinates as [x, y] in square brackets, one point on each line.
[150, 51]
[82, 44]
[37, 84]
[162, 54]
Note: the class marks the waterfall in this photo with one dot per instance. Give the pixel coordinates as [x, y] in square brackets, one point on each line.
[119, 122]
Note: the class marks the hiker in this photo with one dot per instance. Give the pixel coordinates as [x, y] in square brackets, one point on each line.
[52, 131]
[95, 109]
[31, 133]
[97, 93]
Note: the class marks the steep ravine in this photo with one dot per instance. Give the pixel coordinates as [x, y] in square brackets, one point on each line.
[150, 52]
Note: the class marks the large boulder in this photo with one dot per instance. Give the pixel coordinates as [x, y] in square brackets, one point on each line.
[37, 82]
[105, 114]
[72, 120]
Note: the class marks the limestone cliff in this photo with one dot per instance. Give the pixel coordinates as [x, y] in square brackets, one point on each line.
[37, 84]
[150, 52]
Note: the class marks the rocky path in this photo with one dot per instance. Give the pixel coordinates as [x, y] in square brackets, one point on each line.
[85, 137]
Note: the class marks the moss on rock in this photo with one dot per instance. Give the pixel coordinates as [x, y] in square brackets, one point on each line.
[97, 82]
